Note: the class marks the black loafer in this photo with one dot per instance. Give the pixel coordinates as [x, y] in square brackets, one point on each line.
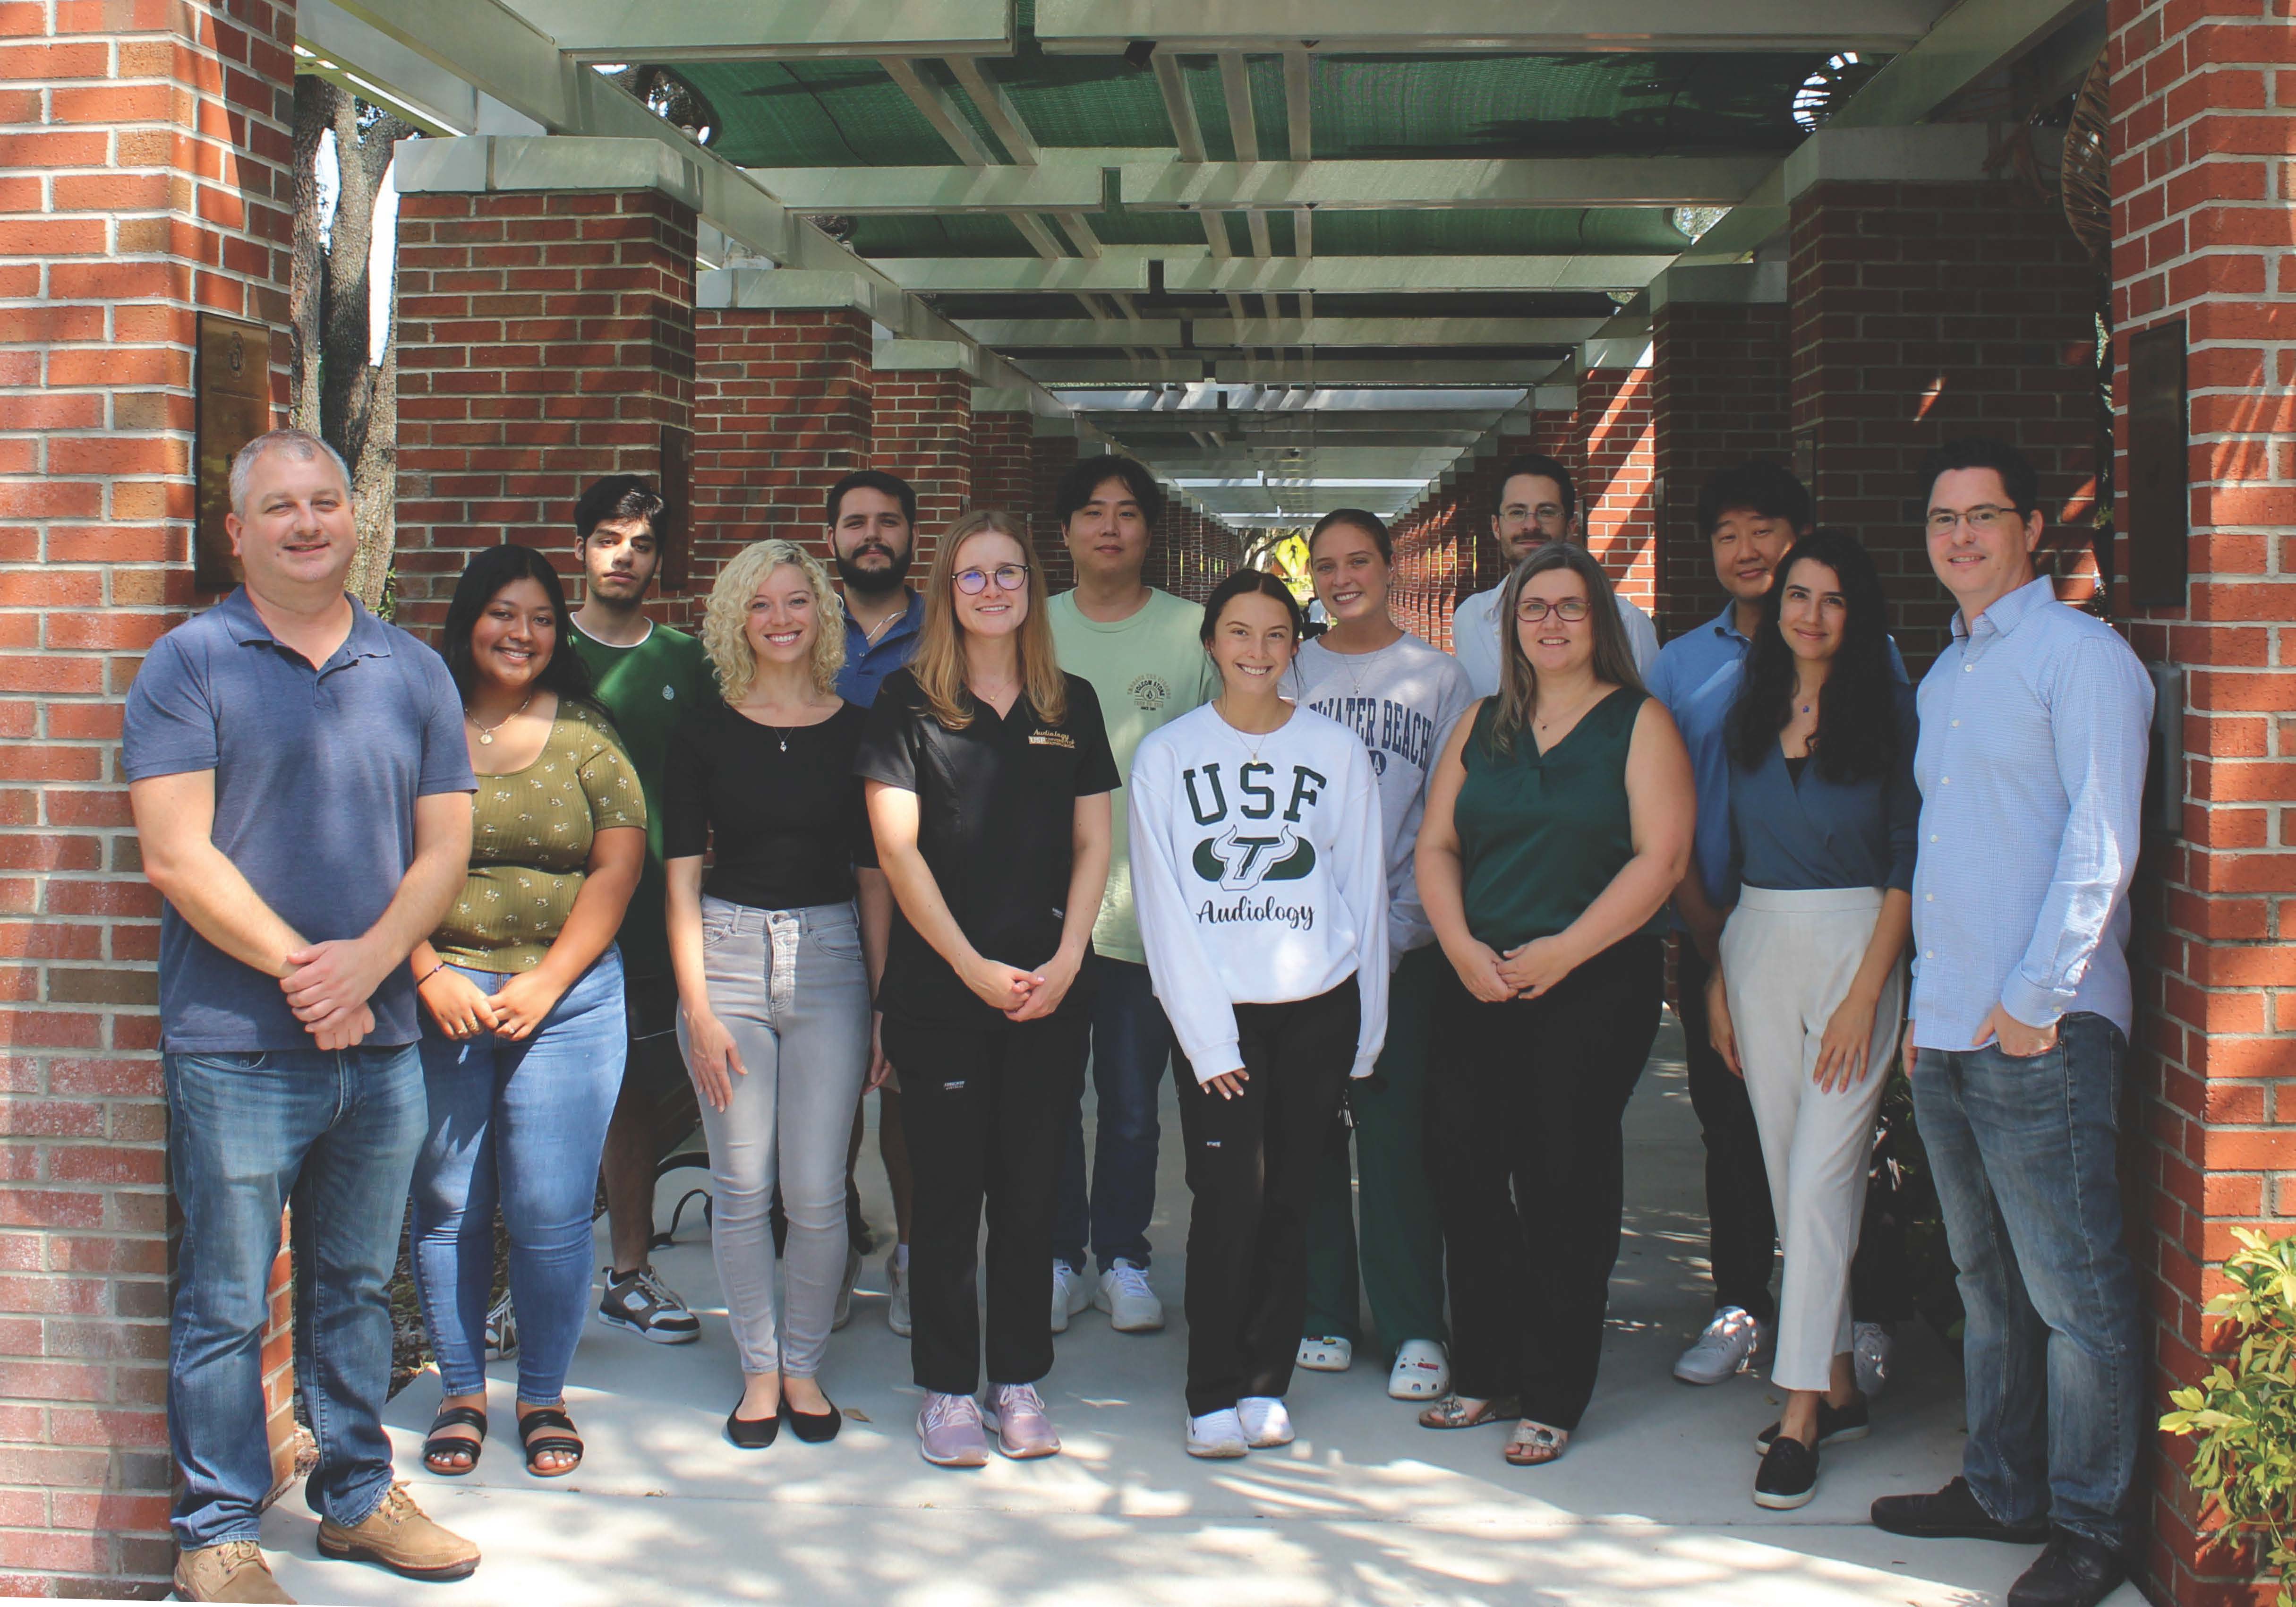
[1834, 1425]
[751, 1433]
[814, 1427]
[1951, 1513]
[2073, 1572]
[1789, 1475]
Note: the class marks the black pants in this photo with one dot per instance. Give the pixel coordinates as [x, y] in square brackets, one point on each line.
[1252, 1165]
[1740, 1227]
[1524, 1100]
[981, 1103]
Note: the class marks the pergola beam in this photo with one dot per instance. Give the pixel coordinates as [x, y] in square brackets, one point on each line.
[1349, 369]
[940, 109]
[1201, 333]
[996, 109]
[1105, 27]
[724, 30]
[1192, 271]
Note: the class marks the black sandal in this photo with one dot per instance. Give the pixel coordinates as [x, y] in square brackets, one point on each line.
[541, 1445]
[436, 1445]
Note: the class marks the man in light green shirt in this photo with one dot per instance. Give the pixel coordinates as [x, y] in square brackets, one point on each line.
[1142, 651]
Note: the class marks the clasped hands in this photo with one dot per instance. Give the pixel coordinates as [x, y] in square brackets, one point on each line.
[1522, 973]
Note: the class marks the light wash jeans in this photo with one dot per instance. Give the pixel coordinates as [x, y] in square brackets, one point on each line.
[2023, 1153]
[339, 1131]
[791, 987]
[521, 1126]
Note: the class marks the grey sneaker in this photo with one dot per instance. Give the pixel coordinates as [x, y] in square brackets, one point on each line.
[896, 1294]
[502, 1332]
[844, 1312]
[1017, 1413]
[949, 1431]
[648, 1308]
[1870, 1350]
[1723, 1350]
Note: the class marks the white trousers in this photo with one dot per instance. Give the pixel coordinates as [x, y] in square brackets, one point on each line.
[1788, 959]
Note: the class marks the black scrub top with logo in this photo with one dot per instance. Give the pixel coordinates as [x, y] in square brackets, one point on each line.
[996, 817]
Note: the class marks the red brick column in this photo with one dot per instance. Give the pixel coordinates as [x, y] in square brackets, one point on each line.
[1005, 476]
[1906, 334]
[1718, 397]
[782, 409]
[1615, 471]
[147, 179]
[2204, 119]
[924, 435]
[1053, 449]
[545, 339]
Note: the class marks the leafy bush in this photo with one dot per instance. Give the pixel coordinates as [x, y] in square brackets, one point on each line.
[2244, 1415]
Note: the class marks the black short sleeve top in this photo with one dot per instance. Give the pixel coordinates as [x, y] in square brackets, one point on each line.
[995, 812]
[781, 802]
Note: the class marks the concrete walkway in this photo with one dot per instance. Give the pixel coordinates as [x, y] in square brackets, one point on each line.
[1651, 1506]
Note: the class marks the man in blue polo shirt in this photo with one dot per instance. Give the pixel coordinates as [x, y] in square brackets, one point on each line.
[302, 790]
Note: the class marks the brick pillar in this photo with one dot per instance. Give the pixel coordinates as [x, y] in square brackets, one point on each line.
[1718, 397]
[782, 409]
[545, 337]
[2204, 124]
[1005, 472]
[924, 430]
[1923, 308]
[1615, 469]
[147, 181]
[1053, 449]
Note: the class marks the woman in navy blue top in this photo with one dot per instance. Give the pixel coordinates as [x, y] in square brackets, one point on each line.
[1807, 1002]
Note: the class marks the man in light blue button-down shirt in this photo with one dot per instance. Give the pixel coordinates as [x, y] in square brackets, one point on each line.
[2031, 766]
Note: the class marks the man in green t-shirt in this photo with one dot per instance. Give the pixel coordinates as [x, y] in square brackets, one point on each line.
[1142, 651]
[647, 676]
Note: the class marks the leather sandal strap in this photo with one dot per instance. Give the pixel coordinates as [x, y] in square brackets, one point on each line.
[543, 1417]
[459, 1417]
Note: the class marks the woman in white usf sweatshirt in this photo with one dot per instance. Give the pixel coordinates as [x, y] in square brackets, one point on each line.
[1258, 876]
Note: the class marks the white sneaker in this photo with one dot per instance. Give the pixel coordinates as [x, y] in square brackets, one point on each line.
[897, 1292]
[1218, 1434]
[1421, 1372]
[1325, 1353]
[1726, 1350]
[1265, 1421]
[843, 1313]
[1132, 1306]
[1070, 1294]
[1870, 1349]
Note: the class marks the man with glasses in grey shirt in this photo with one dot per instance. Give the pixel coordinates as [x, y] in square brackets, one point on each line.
[2031, 766]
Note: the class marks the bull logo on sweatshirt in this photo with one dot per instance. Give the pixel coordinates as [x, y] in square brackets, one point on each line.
[1255, 844]
[1238, 860]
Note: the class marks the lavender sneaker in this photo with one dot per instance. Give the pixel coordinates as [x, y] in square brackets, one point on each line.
[949, 1428]
[1017, 1413]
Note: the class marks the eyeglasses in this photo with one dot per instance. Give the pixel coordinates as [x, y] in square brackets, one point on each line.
[1983, 520]
[1531, 611]
[1009, 578]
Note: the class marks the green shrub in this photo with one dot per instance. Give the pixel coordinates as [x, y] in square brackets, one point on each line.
[2244, 1415]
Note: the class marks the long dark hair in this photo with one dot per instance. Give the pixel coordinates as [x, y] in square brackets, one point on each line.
[1857, 735]
[488, 572]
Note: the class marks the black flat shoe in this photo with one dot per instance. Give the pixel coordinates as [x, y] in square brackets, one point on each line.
[1951, 1513]
[814, 1427]
[751, 1433]
[2073, 1572]
[1789, 1475]
[1835, 1425]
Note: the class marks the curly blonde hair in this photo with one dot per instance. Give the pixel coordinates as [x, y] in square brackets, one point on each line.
[725, 623]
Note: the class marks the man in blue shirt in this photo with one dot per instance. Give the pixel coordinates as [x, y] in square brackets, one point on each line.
[2032, 766]
[1751, 515]
[301, 791]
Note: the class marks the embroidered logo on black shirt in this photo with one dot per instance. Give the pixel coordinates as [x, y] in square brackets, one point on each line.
[1051, 739]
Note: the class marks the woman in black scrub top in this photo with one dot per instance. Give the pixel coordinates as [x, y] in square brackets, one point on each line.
[987, 772]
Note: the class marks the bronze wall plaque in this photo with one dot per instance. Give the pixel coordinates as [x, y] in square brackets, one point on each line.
[235, 407]
[676, 488]
[2160, 507]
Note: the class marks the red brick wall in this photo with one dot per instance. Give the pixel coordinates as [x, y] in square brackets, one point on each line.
[2204, 102]
[924, 435]
[544, 340]
[1924, 311]
[1003, 462]
[1615, 469]
[1050, 458]
[783, 408]
[147, 149]
[1718, 396]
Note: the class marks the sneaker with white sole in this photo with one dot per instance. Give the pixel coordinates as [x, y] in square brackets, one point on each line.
[1070, 1294]
[1132, 1306]
[896, 1294]
[1421, 1372]
[501, 1330]
[1265, 1422]
[1218, 1434]
[949, 1433]
[1023, 1428]
[1726, 1350]
[844, 1312]
[1869, 1349]
[1325, 1353]
[648, 1308]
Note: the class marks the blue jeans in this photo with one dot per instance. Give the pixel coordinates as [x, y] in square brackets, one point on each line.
[1131, 1044]
[338, 1132]
[2023, 1152]
[521, 1126]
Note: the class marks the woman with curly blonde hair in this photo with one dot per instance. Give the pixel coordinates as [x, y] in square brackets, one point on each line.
[777, 952]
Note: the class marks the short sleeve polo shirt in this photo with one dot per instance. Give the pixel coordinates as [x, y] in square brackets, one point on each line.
[316, 771]
[996, 815]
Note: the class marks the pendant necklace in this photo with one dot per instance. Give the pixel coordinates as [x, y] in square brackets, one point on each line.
[486, 732]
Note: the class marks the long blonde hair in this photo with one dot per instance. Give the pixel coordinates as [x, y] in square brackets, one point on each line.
[725, 623]
[939, 661]
[1614, 657]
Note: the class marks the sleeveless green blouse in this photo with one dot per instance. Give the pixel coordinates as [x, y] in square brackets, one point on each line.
[1541, 835]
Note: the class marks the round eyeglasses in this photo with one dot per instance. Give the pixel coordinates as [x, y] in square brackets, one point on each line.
[1009, 578]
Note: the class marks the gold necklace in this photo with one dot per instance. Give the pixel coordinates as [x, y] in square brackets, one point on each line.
[486, 732]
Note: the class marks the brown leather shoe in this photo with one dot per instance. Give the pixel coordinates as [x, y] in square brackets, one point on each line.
[398, 1536]
[233, 1571]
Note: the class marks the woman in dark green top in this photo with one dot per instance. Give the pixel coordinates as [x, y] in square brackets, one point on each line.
[1558, 821]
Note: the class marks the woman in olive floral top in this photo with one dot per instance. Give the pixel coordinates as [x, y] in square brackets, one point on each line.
[523, 1037]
